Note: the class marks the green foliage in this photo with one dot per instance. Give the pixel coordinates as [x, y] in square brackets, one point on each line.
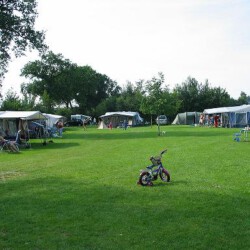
[107, 105]
[17, 30]
[28, 100]
[243, 99]
[47, 103]
[56, 82]
[92, 88]
[195, 96]
[65, 83]
[64, 112]
[153, 102]
[130, 97]
[12, 101]
[80, 192]
[51, 76]
[158, 100]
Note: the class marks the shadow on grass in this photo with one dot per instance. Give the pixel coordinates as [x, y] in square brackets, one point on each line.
[160, 183]
[52, 145]
[55, 213]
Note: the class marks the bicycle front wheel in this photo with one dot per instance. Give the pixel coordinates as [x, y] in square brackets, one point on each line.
[165, 176]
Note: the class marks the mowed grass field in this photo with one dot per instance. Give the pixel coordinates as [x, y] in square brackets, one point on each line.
[80, 191]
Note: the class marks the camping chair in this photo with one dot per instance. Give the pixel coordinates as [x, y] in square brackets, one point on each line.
[9, 146]
[236, 137]
[22, 141]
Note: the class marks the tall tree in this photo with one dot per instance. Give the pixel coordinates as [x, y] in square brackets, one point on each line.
[58, 81]
[11, 101]
[219, 98]
[50, 77]
[130, 97]
[28, 100]
[243, 99]
[92, 88]
[17, 20]
[158, 100]
[195, 96]
[152, 103]
[188, 92]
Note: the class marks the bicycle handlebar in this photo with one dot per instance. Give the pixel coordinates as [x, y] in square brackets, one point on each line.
[158, 158]
[164, 151]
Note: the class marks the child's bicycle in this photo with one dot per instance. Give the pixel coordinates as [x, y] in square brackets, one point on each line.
[151, 173]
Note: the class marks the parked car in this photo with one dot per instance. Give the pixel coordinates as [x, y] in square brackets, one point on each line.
[74, 122]
[161, 120]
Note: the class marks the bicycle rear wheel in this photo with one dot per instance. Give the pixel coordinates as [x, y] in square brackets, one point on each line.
[145, 179]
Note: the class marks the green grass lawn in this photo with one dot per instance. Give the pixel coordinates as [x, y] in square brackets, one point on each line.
[80, 191]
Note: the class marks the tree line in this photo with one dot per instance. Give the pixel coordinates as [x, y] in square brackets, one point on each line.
[56, 85]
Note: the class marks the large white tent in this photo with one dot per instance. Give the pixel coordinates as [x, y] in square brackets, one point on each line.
[237, 116]
[24, 115]
[12, 121]
[237, 109]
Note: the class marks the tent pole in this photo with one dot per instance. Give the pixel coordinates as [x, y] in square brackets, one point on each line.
[28, 132]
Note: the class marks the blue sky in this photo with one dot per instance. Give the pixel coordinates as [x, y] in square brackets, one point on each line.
[135, 39]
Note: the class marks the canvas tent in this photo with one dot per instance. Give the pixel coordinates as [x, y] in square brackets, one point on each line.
[117, 119]
[12, 121]
[237, 116]
[187, 118]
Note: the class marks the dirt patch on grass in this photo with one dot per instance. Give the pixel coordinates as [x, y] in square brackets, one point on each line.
[4, 176]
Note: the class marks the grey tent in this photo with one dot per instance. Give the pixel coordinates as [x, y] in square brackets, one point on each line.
[187, 118]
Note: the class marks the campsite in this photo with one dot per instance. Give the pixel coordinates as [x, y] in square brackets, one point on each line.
[80, 191]
[124, 125]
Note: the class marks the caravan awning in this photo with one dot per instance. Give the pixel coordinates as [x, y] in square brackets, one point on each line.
[132, 114]
[24, 115]
[123, 113]
[236, 109]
